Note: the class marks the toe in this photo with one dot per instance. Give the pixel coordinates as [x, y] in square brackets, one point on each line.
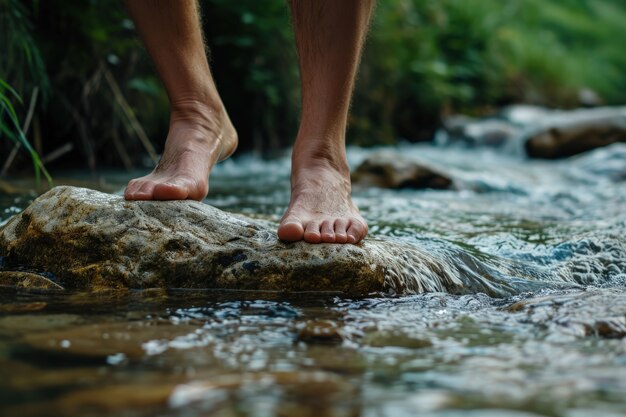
[341, 226]
[139, 190]
[171, 190]
[290, 230]
[312, 232]
[357, 231]
[131, 189]
[327, 231]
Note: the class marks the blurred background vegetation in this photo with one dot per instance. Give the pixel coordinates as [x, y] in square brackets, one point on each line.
[78, 90]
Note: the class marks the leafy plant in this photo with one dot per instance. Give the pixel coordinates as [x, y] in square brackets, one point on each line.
[21, 62]
[14, 131]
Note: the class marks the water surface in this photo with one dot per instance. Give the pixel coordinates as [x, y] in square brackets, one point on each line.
[548, 340]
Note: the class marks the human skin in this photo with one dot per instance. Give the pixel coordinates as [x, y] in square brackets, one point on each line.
[329, 38]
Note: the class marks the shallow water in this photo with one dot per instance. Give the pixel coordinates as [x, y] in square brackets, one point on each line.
[544, 334]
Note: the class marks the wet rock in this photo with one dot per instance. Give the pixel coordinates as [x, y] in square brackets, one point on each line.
[303, 386]
[594, 312]
[27, 280]
[491, 132]
[320, 332]
[393, 170]
[22, 307]
[525, 115]
[210, 394]
[91, 240]
[395, 338]
[545, 133]
[99, 342]
[570, 133]
[25, 377]
[116, 398]
[13, 325]
[589, 98]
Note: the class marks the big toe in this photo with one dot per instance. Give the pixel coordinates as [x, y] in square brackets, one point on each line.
[290, 230]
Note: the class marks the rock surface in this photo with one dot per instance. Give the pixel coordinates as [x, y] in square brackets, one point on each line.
[392, 170]
[480, 132]
[594, 312]
[92, 240]
[578, 131]
[542, 132]
[28, 280]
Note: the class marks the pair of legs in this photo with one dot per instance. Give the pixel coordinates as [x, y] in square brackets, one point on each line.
[329, 38]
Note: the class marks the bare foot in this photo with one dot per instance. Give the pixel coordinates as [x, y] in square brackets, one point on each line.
[321, 208]
[198, 138]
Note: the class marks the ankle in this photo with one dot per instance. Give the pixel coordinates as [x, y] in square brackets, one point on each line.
[321, 154]
[194, 110]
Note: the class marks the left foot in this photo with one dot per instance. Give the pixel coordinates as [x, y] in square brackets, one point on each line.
[321, 208]
[198, 138]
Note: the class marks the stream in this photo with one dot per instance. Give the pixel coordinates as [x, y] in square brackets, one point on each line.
[547, 339]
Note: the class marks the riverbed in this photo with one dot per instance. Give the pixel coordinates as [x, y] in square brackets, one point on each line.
[547, 340]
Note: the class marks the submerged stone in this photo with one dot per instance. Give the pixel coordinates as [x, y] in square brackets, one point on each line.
[22, 307]
[91, 240]
[320, 332]
[593, 312]
[99, 342]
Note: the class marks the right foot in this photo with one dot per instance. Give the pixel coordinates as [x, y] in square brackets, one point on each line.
[198, 138]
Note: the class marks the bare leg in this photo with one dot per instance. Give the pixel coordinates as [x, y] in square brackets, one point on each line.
[200, 132]
[329, 36]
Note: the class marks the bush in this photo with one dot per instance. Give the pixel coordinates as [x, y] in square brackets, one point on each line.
[424, 59]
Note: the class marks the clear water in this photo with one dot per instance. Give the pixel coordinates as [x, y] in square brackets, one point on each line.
[547, 338]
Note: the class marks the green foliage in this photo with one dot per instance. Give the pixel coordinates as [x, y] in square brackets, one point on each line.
[254, 63]
[14, 132]
[424, 59]
[100, 75]
[20, 61]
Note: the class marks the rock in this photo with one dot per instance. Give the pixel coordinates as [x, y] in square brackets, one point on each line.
[116, 398]
[27, 280]
[33, 323]
[91, 240]
[393, 170]
[210, 394]
[318, 385]
[98, 342]
[320, 332]
[544, 133]
[22, 307]
[396, 338]
[570, 133]
[593, 312]
[525, 115]
[491, 132]
[589, 98]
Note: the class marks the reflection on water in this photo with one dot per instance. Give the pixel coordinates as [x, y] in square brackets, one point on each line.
[543, 350]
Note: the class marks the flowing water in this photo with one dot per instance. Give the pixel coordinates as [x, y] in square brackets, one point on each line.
[544, 334]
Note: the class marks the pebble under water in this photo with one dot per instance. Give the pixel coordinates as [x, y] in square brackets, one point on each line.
[543, 333]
